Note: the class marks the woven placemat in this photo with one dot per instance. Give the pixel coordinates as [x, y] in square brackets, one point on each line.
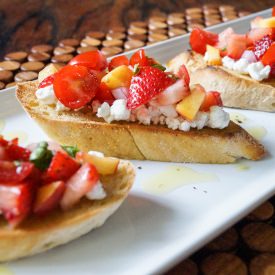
[24, 65]
[246, 248]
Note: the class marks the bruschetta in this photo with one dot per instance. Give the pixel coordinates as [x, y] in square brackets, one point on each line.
[50, 195]
[134, 109]
[240, 67]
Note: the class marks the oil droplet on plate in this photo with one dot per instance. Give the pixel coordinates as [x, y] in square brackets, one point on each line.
[257, 132]
[5, 270]
[22, 136]
[2, 125]
[242, 167]
[174, 177]
[238, 118]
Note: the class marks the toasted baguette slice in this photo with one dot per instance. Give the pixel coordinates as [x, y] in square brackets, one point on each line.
[237, 90]
[36, 234]
[135, 141]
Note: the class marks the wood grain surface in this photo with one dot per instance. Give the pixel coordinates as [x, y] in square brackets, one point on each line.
[24, 23]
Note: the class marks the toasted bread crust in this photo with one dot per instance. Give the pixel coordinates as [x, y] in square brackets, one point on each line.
[135, 141]
[239, 91]
[38, 234]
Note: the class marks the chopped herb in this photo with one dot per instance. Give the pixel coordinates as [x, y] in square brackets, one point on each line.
[136, 69]
[41, 157]
[159, 66]
[173, 76]
[17, 163]
[71, 150]
[223, 49]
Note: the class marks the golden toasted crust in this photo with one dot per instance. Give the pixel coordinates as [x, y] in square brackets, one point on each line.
[236, 90]
[135, 141]
[37, 234]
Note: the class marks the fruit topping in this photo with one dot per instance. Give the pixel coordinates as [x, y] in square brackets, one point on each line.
[211, 99]
[104, 165]
[16, 201]
[79, 184]
[48, 197]
[75, 86]
[261, 46]
[191, 104]
[174, 93]
[213, 56]
[139, 58]
[236, 46]
[61, 167]
[104, 93]
[94, 60]
[269, 57]
[118, 61]
[200, 38]
[47, 81]
[118, 77]
[147, 84]
[183, 73]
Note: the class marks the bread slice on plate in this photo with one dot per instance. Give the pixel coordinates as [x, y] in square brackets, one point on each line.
[134, 141]
[38, 234]
[237, 90]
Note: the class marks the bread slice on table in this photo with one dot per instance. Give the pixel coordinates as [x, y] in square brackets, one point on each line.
[38, 234]
[134, 141]
[237, 90]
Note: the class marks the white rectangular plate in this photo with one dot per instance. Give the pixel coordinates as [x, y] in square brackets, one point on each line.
[158, 225]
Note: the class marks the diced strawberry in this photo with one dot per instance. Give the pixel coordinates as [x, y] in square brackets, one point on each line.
[118, 61]
[16, 201]
[104, 94]
[147, 84]
[79, 185]
[211, 99]
[61, 167]
[257, 34]
[139, 58]
[272, 71]
[16, 152]
[183, 73]
[224, 37]
[47, 81]
[9, 172]
[48, 197]
[269, 57]
[236, 46]
[273, 11]
[200, 38]
[255, 23]
[261, 46]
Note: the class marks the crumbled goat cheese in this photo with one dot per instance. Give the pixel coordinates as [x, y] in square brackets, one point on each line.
[97, 192]
[201, 119]
[185, 126]
[218, 118]
[119, 110]
[258, 71]
[169, 111]
[172, 123]
[46, 95]
[60, 107]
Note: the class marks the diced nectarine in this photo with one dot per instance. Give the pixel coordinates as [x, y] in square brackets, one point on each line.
[267, 23]
[119, 77]
[47, 71]
[104, 165]
[190, 105]
[48, 197]
[213, 56]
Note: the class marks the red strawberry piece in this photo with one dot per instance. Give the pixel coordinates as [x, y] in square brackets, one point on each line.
[9, 172]
[261, 46]
[272, 71]
[147, 84]
[61, 167]
[16, 201]
[47, 81]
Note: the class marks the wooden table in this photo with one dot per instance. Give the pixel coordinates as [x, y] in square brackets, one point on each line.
[29, 22]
